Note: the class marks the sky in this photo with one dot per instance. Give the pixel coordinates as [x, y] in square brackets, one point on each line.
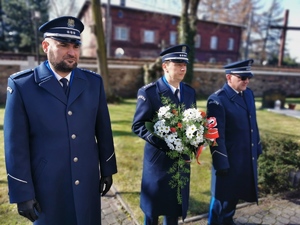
[292, 36]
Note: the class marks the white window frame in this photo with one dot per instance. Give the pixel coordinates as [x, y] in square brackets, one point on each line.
[228, 60]
[212, 60]
[230, 44]
[121, 33]
[197, 41]
[149, 36]
[214, 42]
[173, 38]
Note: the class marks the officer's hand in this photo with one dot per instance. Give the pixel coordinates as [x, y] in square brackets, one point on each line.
[222, 173]
[160, 144]
[108, 182]
[29, 208]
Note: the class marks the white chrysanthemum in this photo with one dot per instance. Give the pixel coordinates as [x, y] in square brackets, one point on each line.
[194, 143]
[201, 130]
[170, 145]
[178, 145]
[190, 130]
[162, 111]
[191, 114]
[160, 128]
[168, 115]
[198, 136]
[171, 138]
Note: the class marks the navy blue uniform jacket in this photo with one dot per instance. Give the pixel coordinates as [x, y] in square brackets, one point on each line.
[157, 197]
[238, 144]
[55, 146]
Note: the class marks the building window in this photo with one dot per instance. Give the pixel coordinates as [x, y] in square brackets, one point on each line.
[197, 41]
[230, 44]
[228, 60]
[173, 38]
[149, 36]
[121, 33]
[173, 21]
[213, 42]
[212, 60]
[120, 14]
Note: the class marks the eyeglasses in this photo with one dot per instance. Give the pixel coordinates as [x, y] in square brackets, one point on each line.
[242, 78]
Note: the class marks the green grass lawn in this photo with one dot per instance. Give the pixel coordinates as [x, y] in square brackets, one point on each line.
[129, 153]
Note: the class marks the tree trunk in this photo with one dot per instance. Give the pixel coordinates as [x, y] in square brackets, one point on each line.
[101, 48]
[187, 31]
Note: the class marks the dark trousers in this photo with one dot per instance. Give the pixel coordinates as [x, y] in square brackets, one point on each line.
[168, 220]
[221, 212]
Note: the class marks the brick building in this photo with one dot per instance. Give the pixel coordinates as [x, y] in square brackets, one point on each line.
[137, 33]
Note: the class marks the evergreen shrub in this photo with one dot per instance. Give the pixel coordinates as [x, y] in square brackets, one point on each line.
[280, 160]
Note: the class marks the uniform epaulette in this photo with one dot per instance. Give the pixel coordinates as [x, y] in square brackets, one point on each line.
[89, 71]
[187, 84]
[149, 85]
[21, 73]
[218, 91]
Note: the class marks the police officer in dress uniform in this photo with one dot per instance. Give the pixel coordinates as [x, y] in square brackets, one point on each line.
[157, 197]
[234, 171]
[59, 148]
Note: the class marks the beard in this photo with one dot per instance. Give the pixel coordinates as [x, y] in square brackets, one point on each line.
[62, 66]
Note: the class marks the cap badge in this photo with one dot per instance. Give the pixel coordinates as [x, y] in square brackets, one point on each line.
[183, 48]
[71, 23]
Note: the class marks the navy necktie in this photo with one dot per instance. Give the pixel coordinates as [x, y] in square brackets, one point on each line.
[64, 81]
[176, 95]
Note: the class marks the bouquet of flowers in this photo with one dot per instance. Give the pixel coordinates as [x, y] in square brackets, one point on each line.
[185, 131]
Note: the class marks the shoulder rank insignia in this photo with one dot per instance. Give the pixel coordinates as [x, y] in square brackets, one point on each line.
[149, 85]
[141, 97]
[10, 90]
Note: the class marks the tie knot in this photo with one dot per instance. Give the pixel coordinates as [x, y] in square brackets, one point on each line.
[64, 81]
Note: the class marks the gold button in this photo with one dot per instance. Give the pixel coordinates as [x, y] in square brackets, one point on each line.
[70, 113]
[75, 159]
[77, 182]
[73, 136]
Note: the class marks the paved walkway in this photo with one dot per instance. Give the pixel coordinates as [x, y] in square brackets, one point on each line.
[287, 112]
[273, 210]
[114, 210]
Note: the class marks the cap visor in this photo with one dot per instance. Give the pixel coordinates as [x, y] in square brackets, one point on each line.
[179, 61]
[67, 40]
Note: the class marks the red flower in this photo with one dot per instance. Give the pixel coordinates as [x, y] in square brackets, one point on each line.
[179, 125]
[175, 112]
[203, 114]
[173, 129]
